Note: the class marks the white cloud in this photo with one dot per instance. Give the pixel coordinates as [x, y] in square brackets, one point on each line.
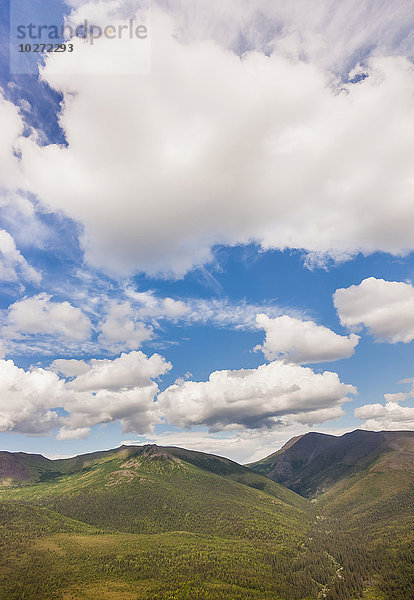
[390, 416]
[120, 330]
[73, 434]
[119, 390]
[385, 308]
[12, 264]
[128, 371]
[23, 222]
[253, 398]
[297, 341]
[174, 309]
[27, 399]
[218, 312]
[39, 315]
[69, 368]
[211, 148]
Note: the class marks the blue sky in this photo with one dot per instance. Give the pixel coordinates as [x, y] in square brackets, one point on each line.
[263, 166]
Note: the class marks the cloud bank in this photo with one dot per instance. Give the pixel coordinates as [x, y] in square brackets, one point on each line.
[213, 148]
[37, 401]
[255, 398]
[95, 392]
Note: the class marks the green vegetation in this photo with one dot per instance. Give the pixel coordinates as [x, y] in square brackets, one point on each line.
[169, 524]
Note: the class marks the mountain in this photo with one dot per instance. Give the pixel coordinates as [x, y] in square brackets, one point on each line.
[150, 488]
[377, 493]
[165, 523]
[311, 464]
[362, 490]
[19, 467]
[141, 522]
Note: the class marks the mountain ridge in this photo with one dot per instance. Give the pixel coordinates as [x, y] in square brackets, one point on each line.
[315, 462]
[160, 523]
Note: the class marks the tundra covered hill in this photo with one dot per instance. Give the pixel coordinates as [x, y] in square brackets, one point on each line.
[149, 489]
[311, 464]
[149, 522]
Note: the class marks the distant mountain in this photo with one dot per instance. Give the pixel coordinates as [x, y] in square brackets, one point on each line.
[311, 464]
[19, 467]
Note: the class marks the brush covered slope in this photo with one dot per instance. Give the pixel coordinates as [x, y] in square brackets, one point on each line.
[362, 485]
[151, 489]
[171, 524]
[154, 523]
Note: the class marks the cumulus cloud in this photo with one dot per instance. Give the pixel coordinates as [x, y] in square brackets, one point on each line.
[39, 315]
[129, 371]
[120, 330]
[213, 148]
[13, 266]
[299, 341]
[28, 399]
[254, 398]
[69, 367]
[122, 390]
[385, 308]
[148, 306]
[73, 434]
[119, 390]
[390, 415]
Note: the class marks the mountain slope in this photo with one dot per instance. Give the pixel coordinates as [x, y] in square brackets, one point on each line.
[156, 524]
[372, 511]
[151, 489]
[314, 462]
[152, 523]
[381, 491]
[363, 489]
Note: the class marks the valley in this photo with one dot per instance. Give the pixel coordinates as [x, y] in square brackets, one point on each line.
[168, 523]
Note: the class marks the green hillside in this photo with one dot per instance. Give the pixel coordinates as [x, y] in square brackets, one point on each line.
[171, 524]
[365, 516]
[152, 522]
[152, 490]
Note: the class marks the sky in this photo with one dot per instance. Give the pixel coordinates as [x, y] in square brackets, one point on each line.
[206, 232]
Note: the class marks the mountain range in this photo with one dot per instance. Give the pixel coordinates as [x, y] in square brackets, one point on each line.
[311, 464]
[323, 517]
